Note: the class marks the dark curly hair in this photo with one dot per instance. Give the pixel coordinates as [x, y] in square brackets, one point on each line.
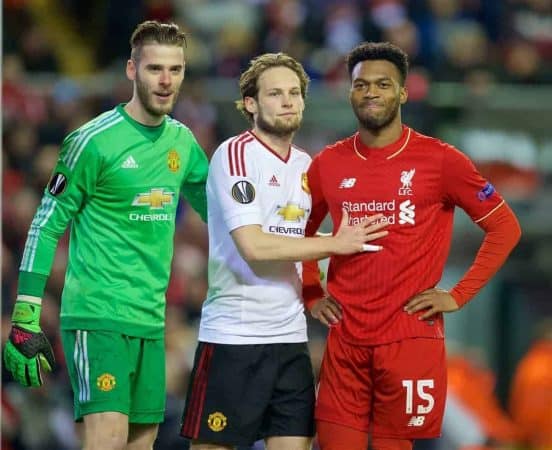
[378, 50]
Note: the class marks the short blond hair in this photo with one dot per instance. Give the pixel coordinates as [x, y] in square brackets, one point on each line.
[249, 79]
[152, 31]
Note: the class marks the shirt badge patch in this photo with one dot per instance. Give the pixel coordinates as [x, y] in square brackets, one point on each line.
[305, 183]
[406, 180]
[57, 184]
[486, 192]
[243, 192]
[173, 161]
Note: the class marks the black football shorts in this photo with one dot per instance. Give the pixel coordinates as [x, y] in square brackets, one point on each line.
[239, 394]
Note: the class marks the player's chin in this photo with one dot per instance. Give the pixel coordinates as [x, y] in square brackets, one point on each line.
[289, 126]
[161, 110]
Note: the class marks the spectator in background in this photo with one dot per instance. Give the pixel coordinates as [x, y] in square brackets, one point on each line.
[531, 391]
[472, 385]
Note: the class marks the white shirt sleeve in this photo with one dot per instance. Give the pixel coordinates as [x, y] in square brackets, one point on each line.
[236, 195]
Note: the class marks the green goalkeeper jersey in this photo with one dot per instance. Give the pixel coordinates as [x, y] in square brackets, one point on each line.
[117, 183]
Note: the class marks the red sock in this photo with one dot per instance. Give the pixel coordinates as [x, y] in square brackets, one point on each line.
[391, 444]
[332, 436]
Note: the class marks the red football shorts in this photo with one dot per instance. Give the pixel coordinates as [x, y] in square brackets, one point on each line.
[397, 390]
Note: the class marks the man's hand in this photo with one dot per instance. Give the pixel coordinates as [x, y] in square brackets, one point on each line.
[27, 351]
[353, 238]
[433, 301]
[327, 311]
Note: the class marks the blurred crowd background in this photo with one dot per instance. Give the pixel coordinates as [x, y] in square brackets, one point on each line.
[481, 78]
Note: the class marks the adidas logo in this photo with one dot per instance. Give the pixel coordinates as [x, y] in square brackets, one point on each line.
[130, 163]
[273, 181]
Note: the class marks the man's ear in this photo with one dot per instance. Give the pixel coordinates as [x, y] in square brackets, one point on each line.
[403, 95]
[250, 105]
[131, 70]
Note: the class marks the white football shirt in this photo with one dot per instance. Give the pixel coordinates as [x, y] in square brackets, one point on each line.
[249, 184]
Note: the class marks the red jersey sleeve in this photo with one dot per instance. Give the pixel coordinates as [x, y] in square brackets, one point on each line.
[464, 186]
[312, 289]
[502, 233]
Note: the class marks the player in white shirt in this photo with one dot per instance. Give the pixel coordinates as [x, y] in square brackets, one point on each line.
[254, 302]
[252, 376]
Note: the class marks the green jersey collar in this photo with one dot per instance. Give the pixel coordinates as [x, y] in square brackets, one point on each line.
[150, 133]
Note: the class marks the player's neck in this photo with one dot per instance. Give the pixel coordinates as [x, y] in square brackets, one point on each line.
[382, 137]
[278, 144]
[136, 111]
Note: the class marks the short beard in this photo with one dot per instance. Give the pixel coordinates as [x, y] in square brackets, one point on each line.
[279, 128]
[377, 123]
[144, 95]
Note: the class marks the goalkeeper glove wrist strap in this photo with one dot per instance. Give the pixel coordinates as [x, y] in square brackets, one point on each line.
[26, 313]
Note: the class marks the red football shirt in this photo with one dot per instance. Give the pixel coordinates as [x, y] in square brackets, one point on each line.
[415, 182]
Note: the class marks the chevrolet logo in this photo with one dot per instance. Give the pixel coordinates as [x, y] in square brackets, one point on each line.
[156, 198]
[291, 212]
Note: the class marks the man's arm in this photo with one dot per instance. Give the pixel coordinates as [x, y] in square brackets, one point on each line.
[28, 351]
[502, 233]
[256, 245]
[193, 187]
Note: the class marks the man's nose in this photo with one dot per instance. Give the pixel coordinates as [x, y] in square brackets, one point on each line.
[286, 100]
[370, 91]
[165, 78]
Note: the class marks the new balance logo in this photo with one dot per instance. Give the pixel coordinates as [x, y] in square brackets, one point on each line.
[347, 183]
[407, 213]
[416, 421]
[130, 163]
[273, 181]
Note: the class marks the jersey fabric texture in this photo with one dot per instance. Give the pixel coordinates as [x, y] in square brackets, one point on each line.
[119, 190]
[416, 183]
[256, 303]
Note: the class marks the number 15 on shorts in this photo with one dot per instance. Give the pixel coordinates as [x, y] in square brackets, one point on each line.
[420, 389]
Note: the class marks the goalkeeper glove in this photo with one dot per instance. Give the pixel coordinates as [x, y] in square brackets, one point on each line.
[28, 351]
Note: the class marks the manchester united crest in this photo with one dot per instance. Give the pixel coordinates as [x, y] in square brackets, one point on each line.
[173, 161]
[305, 183]
[217, 421]
[106, 382]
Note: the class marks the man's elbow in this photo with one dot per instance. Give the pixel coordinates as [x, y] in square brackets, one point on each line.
[516, 234]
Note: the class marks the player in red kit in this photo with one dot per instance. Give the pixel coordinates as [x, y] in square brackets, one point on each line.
[384, 369]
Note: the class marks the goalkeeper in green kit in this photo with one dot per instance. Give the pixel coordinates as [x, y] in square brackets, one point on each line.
[117, 183]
